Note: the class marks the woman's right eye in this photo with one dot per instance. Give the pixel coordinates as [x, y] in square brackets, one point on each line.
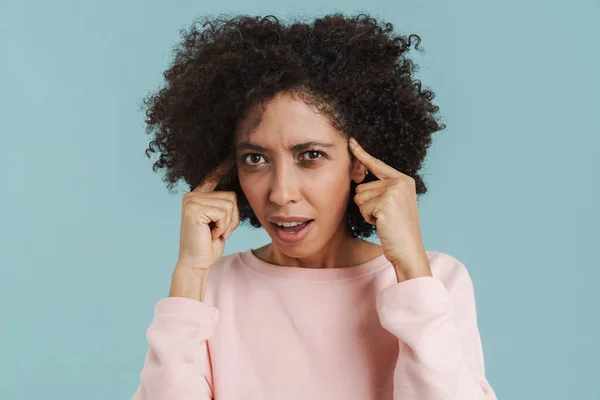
[252, 159]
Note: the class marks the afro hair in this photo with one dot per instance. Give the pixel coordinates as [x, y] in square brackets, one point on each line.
[354, 70]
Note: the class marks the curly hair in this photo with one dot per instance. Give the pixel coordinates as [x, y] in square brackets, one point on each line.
[353, 70]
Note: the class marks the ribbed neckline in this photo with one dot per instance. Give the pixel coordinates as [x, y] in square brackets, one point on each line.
[312, 274]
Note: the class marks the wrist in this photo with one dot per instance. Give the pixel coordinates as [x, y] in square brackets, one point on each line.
[403, 275]
[414, 270]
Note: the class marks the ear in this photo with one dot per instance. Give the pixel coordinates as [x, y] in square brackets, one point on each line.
[358, 171]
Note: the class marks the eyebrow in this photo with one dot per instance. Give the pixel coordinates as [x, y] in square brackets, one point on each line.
[247, 145]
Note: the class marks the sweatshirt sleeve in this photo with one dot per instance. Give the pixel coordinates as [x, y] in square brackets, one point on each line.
[177, 364]
[440, 352]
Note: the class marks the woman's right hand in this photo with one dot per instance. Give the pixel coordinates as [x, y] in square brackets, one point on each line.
[208, 218]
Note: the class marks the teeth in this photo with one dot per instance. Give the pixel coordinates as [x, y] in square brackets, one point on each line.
[288, 224]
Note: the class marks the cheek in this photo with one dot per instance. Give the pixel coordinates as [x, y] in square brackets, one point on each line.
[255, 188]
[331, 189]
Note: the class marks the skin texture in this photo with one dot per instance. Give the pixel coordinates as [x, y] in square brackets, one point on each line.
[311, 182]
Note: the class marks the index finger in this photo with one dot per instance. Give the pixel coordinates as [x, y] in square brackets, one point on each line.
[380, 169]
[211, 180]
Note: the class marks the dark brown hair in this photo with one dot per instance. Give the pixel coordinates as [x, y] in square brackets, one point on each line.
[354, 70]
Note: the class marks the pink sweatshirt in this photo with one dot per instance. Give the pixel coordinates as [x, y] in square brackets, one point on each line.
[270, 332]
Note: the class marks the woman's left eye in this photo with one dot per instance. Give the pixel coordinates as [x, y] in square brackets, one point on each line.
[312, 155]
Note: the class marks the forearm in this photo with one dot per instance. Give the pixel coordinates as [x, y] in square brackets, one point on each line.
[190, 283]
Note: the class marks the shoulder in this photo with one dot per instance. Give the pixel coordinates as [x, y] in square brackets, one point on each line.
[221, 274]
[450, 270]
[225, 265]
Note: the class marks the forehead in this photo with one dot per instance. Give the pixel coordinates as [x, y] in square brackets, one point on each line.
[285, 120]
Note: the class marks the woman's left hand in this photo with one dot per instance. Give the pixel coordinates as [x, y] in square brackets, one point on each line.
[390, 204]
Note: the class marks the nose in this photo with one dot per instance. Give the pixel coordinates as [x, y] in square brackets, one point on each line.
[285, 185]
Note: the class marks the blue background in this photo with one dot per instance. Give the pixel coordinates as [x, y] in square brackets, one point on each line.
[89, 234]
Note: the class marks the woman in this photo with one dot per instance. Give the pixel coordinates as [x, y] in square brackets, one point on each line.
[259, 118]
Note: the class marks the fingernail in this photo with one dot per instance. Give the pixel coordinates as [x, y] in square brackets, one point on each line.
[352, 140]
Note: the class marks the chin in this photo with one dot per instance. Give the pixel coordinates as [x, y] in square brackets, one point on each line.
[294, 251]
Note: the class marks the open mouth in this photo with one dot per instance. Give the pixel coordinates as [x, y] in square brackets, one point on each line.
[293, 232]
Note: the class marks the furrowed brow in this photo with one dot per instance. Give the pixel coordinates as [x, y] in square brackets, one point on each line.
[310, 144]
[249, 146]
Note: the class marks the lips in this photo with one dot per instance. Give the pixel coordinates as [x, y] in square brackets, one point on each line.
[293, 234]
[279, 219]
[293, 229]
